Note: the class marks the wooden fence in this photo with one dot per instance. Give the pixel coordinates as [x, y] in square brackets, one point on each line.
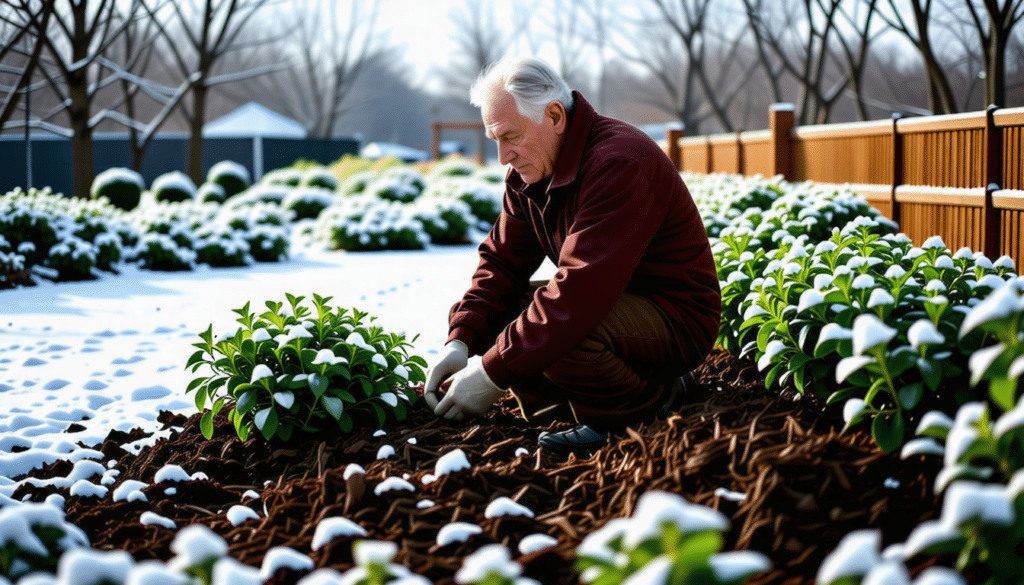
[958, 176]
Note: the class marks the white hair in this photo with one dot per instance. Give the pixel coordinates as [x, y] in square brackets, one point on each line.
[532, 83]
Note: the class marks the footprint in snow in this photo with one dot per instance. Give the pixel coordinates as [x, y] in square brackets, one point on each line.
[123, 373]
[33, 362]
[131, 360]
[94, 385]
[55, 384]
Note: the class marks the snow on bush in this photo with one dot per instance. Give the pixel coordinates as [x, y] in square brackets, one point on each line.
[33, 537]
[483, 198]
[173, 186]
[287, 176]
[122, 187]
[231, 176]
[455, 166]
[319, 177]
[211, 193]
[445, 220]
[356, 183]
[366, 223]
[308, 202]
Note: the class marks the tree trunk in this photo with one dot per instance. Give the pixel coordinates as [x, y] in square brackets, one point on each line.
[195, 142]
[81, 141]
[995, 77]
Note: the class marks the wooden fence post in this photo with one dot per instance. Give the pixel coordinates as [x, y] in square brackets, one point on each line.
[435, 140]
[993, 176]
[897, 166]
[673, 133]
[780, 122]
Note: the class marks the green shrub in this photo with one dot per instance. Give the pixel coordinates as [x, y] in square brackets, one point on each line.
[160, 252]
[446, 221]
[123, 187]
[173, 187]
[366, 224]
[296, 368]
[35, 537]
[287, 177]
[356, 183]
[211, 193]
[231, 176]
[307, 203]
[319, 177]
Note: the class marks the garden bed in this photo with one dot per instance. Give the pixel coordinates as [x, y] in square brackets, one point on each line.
[805, 484]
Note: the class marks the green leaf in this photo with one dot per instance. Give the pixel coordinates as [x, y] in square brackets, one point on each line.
[888, 428]
[246, 401]
[200, 397]
[1003, 392]
[931, 375]
[195, 384]
[285, 399]
[266, 422]
[206, 424]
[318, 384]
[346, 396]
[367, 387]
[910, 395]
[248, 351]
[285, 431]
[345, 423]
[334, 406]
[195, 360]
[382, 417]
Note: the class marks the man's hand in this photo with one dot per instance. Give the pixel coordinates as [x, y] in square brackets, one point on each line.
[471, 393]
[453, 358]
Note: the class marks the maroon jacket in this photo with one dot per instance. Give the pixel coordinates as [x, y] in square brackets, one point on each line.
[615, 217]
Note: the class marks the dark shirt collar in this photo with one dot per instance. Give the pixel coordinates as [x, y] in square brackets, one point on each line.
[568, 162]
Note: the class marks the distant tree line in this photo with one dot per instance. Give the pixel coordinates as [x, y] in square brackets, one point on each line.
[141, 66]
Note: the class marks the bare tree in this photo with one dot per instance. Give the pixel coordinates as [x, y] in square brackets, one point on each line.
[80, 33]
[328, 52]
[918, 31]
[857, 50]
[20, 22]
[800, 40]
[681, 48]
[995, 22]
[480, 41]
[197, 37]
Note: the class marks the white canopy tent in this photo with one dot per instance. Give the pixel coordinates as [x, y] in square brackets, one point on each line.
[255, 121]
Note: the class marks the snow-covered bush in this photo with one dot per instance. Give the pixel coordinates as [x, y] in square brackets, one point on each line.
[172, 187]
[33, 537]
[356, 183]
[73, 258]
[232, 177]
[319, 177]
[491, 174]
[301, 368]
[123, 187]
[160, 252]
[219, 245]
[369, 224]
[287, 176]
[667, 540]
[394, 188]
[446, 221]
[453, 166]
[260, 193]
[307, 202]
[211, 193]
[484, 198]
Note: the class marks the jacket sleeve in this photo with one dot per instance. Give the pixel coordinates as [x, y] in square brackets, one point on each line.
[508, 258]
[618, 214]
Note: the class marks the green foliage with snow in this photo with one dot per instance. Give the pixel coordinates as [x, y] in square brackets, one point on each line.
[297, 367]
[122, 187]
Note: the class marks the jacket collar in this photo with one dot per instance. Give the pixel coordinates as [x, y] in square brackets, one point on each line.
[568, 163]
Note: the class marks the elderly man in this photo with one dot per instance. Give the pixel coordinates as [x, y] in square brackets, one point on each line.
[635, 303]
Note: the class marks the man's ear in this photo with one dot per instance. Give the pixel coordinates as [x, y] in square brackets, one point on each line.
[555, 112]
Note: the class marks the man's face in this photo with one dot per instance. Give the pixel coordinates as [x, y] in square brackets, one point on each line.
[530, 147]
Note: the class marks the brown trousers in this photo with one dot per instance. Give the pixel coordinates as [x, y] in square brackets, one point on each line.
[619, 375]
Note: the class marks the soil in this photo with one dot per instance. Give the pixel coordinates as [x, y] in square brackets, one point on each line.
[806, 484]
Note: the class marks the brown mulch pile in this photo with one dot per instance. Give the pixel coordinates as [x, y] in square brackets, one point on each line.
[806, 485]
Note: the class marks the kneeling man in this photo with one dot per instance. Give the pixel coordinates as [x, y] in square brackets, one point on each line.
[635, 303]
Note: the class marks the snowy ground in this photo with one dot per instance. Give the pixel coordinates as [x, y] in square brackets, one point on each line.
[110, 354]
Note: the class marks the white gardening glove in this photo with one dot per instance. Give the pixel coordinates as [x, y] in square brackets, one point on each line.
[471, 393]
[452, 359]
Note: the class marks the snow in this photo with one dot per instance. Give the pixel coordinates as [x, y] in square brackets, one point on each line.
[505, 506]
[385, 452]
[923, 332]
[456, 532]
[855, 555]
[939, 576]
[366, 552]
[869, 332]
[492, 559]
[731, 566]
[130, 490]
[171, 472]
[353, 469]
[392, 484]
[85, 565]
[239, 514]
[535, 542]
[335, 527]
[282, 557]
[730, 495]
[153, 519]
[451, 462]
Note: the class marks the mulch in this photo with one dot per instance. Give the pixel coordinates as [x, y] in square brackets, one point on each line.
[806, 484]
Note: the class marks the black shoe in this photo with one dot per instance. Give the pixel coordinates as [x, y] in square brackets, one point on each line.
[582, 440]
[685, 390]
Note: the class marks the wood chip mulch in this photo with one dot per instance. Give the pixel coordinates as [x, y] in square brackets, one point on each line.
[806, 484]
